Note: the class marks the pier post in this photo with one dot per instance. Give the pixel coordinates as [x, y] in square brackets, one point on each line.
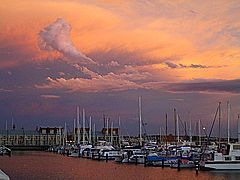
[79, 153]
[106, 158]
[145, 161]
[162, 163]
[98, 156]
[197, 168]
[178, 164]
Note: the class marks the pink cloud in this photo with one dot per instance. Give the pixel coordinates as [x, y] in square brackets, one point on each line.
[98, 83]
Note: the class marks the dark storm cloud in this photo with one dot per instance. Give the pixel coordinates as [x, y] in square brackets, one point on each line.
[230, 86]
[200, 66]
[28, 74]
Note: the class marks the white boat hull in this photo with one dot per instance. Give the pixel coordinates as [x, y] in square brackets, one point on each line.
[222, 165]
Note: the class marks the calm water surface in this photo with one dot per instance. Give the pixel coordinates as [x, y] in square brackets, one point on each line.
[44, 165]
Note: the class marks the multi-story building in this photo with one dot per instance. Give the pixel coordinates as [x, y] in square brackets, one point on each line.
[110, 135]
[44, 136]
[39, 137]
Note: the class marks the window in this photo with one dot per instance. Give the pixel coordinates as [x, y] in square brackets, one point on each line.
[228, 158]
[236, 147]
[44, 131]
[237, 157]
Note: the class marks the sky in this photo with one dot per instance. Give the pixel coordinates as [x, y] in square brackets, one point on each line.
[103, 54]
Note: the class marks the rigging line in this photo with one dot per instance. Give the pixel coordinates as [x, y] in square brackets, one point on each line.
[215, 117]
[182, 124]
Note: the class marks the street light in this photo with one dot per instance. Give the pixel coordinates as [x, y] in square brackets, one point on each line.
[205, 132]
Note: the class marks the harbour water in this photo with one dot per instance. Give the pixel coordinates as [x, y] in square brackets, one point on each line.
[45, 165]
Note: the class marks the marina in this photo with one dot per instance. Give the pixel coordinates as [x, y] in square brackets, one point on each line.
[167, 153]
[120, 90]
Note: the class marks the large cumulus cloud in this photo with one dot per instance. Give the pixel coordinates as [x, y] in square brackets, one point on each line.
[56, 36]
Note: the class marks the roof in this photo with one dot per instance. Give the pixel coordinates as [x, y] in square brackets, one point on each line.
[18, 132]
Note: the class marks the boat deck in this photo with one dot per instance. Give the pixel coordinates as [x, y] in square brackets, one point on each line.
[3, 176]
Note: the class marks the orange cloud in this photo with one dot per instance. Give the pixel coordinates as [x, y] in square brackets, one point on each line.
[186, 32]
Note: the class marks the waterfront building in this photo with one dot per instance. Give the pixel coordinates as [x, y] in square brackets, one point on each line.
[110, 135]
[39, 137]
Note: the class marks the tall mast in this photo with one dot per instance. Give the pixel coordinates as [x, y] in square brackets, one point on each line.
[107, 130]
[112, 132]
[78, 126]
[94, 133]
[166, 130]
[238, 128]
[60, 136]
[74, 127]
[90, 130]
[83, 111]
[160, 134]
[119, 131]
[12, 122]
[6, 127]
[219, 124]
[178, 133]
[190, 128]
[175, 123]
[199, 131]
[228, 120]
[140, 119]
[185, 129]
[65, 134]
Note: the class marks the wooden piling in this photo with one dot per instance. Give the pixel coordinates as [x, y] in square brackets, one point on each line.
[98, 156]
[145, 161]
[106, 158]
[197, 168]
[178, 164]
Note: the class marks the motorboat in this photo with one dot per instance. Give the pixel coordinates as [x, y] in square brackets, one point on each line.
[222, 161]
[136, 158]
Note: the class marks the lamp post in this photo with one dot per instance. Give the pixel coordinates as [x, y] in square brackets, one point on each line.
[205, 132]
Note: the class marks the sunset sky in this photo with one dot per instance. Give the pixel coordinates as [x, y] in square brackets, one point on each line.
[102, 55]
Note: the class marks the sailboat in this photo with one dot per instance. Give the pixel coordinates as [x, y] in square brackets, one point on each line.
[229, 160]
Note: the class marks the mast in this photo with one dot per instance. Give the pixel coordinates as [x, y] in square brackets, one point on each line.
[94, 133]
[190, 128]
[104, 121]
[185, 129]
[83, 113]
[111, 132]
[238, 128]
[119, 131]
[199, 131]
[78, 127]
[60, 136]
[228, 120]
[178, 133]
[6, 126]
[12, 123]
[160, 134]
[166, 131]
[74, 127]
[219, 123]
[175, 124]
[65, 134]
[90, 130]
[140, 119]
[107, 138]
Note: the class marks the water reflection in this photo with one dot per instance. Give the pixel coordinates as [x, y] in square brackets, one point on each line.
[43, 165]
